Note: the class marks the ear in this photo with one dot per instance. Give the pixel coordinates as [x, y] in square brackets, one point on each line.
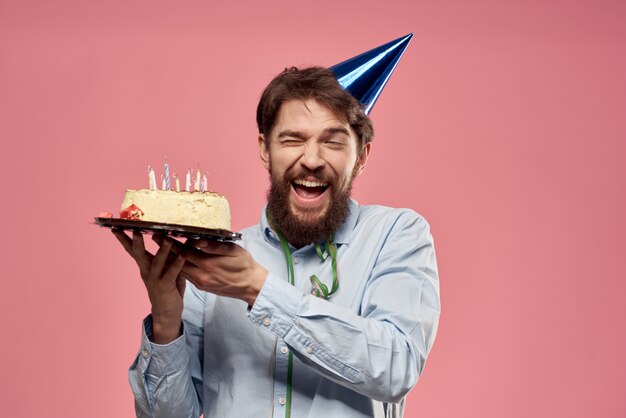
[362, 159]
[264, 152]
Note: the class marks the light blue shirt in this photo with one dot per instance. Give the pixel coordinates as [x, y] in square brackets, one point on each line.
[356, 355]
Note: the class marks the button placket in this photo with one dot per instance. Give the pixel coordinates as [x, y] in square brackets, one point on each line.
[280, 378]
[297, 266]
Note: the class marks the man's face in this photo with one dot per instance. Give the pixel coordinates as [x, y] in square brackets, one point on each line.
[312, 158]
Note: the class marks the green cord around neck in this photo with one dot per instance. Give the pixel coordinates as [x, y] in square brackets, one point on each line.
[319, 290]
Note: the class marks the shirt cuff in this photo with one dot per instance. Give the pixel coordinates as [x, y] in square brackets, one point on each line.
[276, 306]
[161, 359]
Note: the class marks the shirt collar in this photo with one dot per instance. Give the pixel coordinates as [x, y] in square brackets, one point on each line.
[342, 236]
[344, 233]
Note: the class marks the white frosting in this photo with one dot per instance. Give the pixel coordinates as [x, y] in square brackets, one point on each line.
[202, 209]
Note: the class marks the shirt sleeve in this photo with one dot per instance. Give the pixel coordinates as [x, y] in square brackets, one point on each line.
[380, 352]
[166, 379]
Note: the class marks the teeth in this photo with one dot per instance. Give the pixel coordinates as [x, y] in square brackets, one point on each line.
[307, 183]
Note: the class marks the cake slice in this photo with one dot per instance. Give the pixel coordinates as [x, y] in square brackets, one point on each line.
[202, 209]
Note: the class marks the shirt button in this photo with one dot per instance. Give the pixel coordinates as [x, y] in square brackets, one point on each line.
[296, 259]
[284, 350]
[282, 401]
[145, 354]
[266, 322]
[309, 350]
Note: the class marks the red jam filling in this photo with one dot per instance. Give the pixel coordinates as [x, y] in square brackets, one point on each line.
[132, 212]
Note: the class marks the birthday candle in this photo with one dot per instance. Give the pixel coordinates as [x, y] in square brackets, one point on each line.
[204, 182]
[151, 178]
[197, 185]
[163, 182]
[167, 176]
[188, 181]
[177, 182]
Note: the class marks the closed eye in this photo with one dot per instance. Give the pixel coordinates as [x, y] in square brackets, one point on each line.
[336, 136]
[336, 142]
[291, 141]
[289, 137]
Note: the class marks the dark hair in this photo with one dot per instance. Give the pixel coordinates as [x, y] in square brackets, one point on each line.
[312, 83]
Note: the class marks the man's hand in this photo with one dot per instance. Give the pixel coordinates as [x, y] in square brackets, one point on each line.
[161, 276]
[222, 268]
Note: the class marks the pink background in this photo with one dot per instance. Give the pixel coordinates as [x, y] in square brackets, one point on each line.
[503, 125]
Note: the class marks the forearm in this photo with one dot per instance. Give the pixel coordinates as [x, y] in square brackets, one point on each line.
[169, 396]
[161, 379]
[376, 358]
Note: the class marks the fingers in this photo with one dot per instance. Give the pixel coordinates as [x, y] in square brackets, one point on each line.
[192, 273]
[207, 246]
[192, 242]
[181, 282]
[134, 246]
[138, 251]
[207, 250]
[174, 270]
[126, 242]
[167, 264]
[217, 247]
[187, 250]
[160, 258]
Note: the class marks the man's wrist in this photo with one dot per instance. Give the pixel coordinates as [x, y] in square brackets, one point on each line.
[165, 330]
[256, 284]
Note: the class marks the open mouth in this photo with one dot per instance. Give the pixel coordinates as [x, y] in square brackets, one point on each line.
[309, 193]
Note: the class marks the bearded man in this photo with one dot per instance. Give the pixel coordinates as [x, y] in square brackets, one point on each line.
[326, 309]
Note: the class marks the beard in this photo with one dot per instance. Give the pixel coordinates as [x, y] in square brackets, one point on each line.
[307, 226]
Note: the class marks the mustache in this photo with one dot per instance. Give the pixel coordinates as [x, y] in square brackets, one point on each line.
[318, 175]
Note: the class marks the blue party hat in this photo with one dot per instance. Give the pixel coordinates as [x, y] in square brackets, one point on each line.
[366, 75]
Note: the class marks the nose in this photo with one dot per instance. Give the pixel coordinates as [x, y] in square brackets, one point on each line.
[311, 157]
